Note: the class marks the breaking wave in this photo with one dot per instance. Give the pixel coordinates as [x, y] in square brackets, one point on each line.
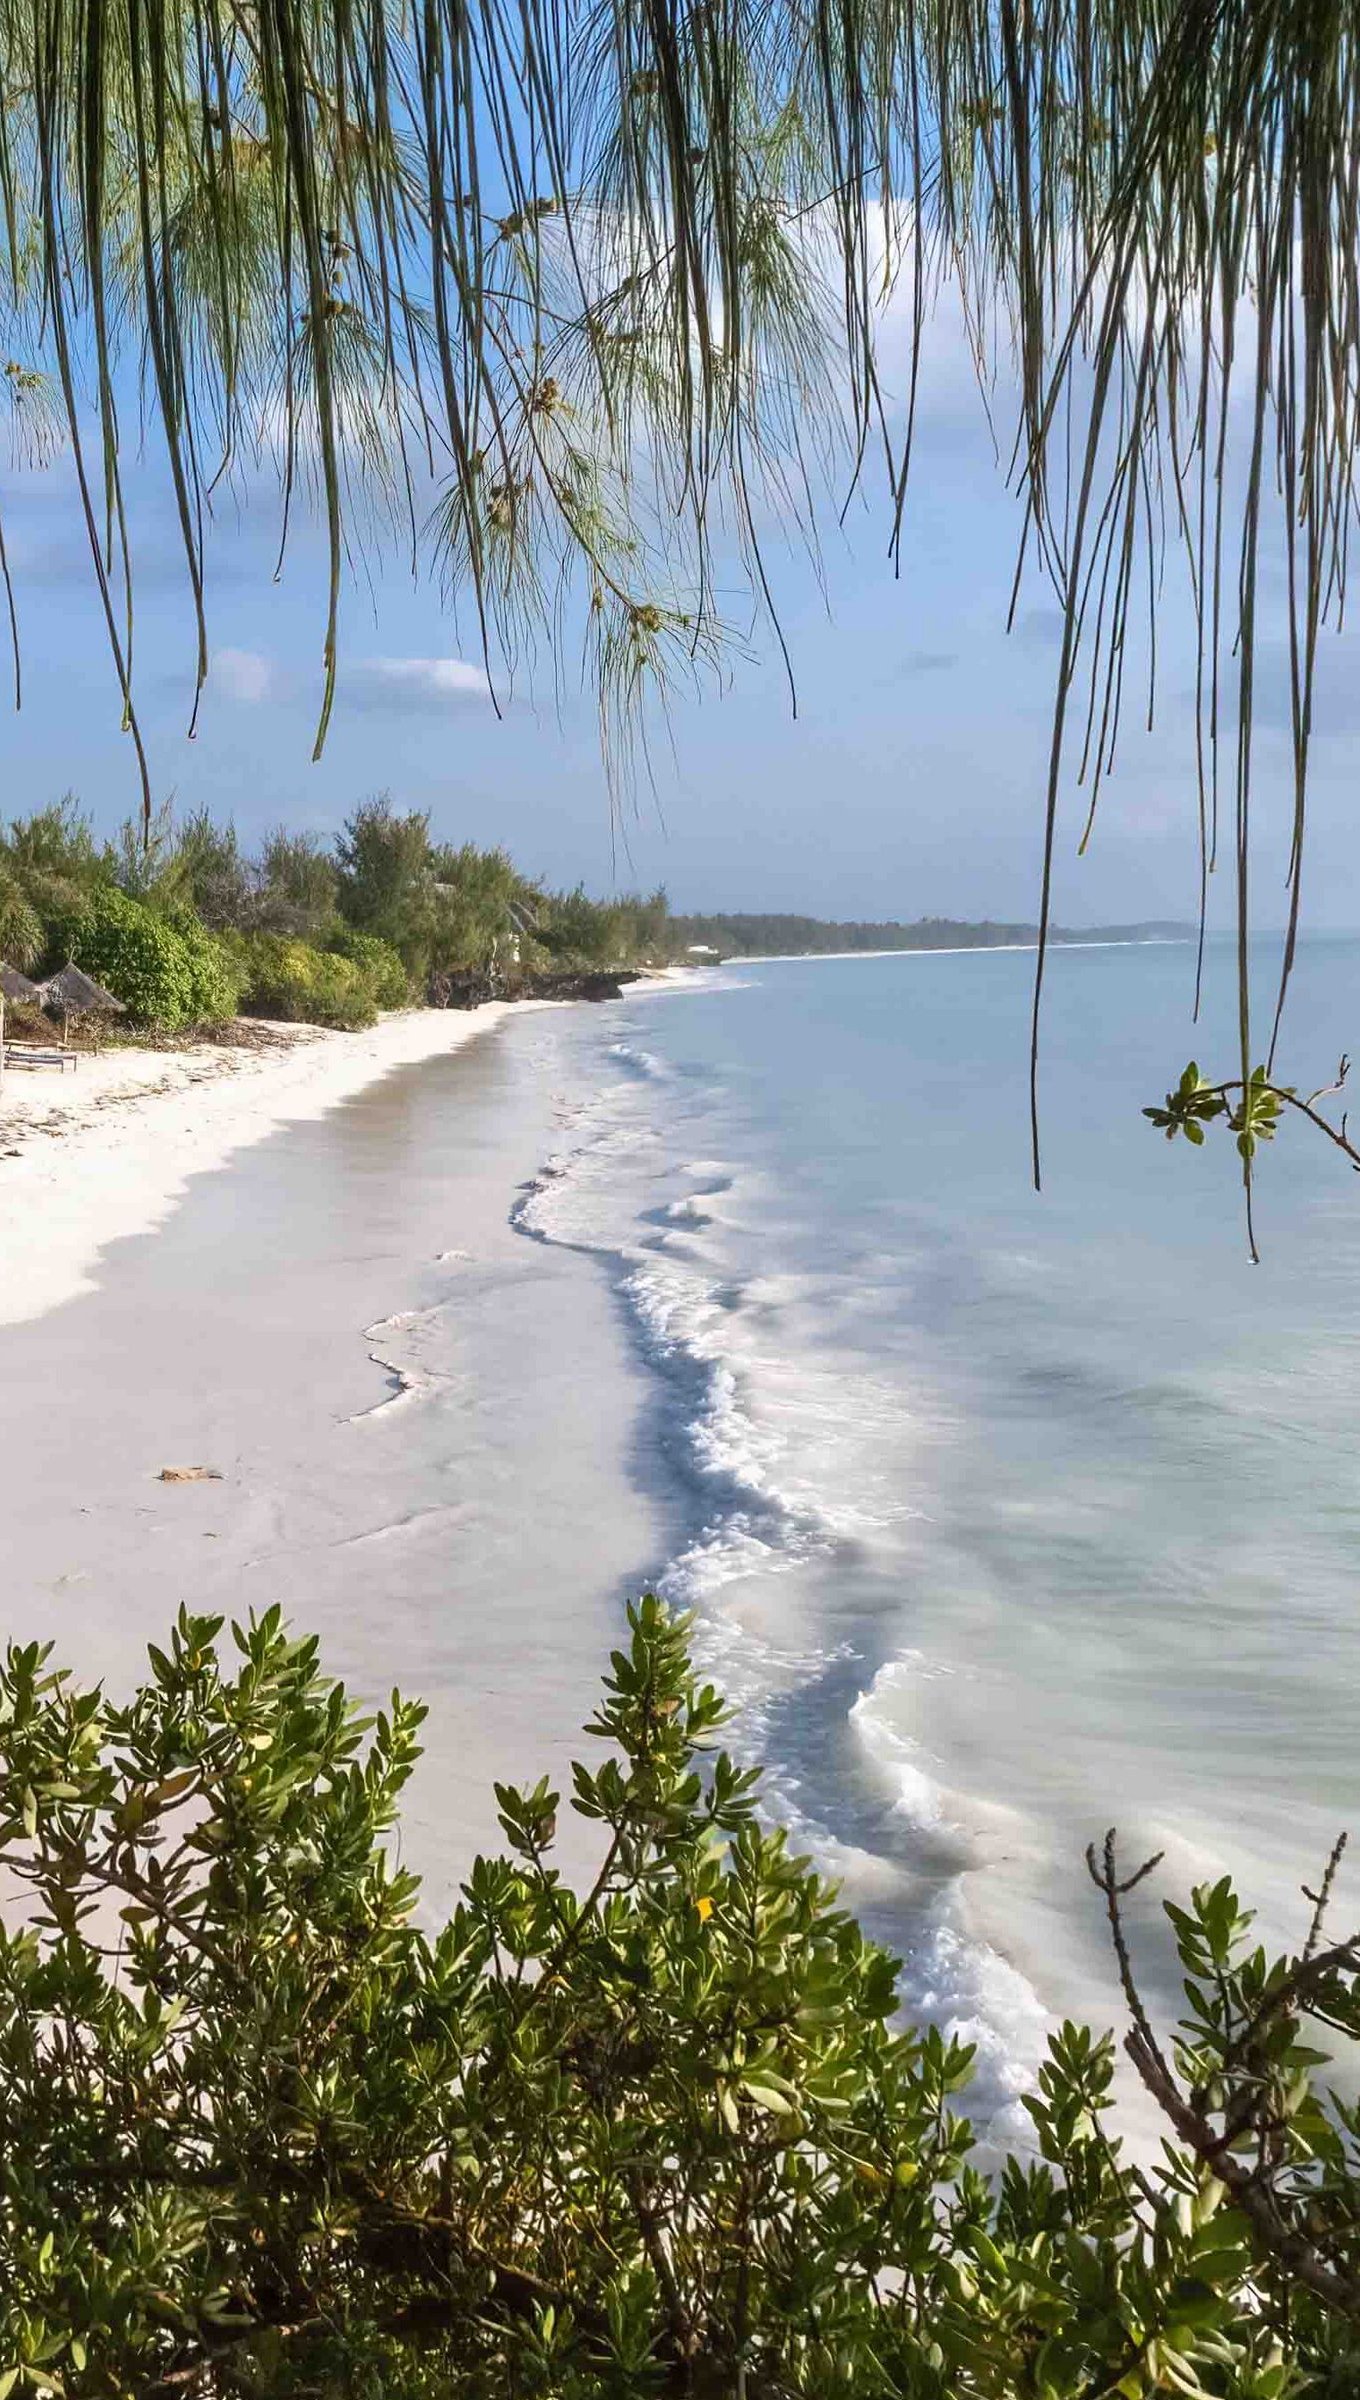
[771, 1450]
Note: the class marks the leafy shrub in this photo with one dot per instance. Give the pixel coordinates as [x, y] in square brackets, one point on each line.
[289, 979]
[21, 933]
[275, 2139]
[378, 962]
[166, 973]
[296, 885]
[215, 973]
[587, 932]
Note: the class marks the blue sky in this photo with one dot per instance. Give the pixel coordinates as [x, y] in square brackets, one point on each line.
[910, 783]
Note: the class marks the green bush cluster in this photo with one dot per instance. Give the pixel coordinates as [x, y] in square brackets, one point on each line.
[292, 980]
[376, 959]
[265, 2135]
[168, 972]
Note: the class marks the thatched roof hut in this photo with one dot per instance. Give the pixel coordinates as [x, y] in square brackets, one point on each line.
[77, 994]
[16, 987]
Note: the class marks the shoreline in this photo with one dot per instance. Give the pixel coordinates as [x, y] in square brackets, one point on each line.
[90, 1158]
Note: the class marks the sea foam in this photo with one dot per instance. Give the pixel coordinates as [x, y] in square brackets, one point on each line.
[773, 1453]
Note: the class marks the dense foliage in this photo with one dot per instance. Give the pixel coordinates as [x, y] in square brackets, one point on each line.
[265, 2134]
[376, 960]
[296, 984]
[168, 970]
[183, 925]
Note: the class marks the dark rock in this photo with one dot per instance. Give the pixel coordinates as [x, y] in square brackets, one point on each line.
[468, 990]
[472, 990]
[596, 985]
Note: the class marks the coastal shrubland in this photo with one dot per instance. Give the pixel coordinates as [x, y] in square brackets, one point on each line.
[297, 984]
[184, 925]
[267, 2133]
[165, 966]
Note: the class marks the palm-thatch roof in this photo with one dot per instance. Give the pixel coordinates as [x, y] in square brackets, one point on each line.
[14, 986]
[75, 991]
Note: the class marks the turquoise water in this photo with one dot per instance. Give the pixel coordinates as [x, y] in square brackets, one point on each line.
[1006, 1517]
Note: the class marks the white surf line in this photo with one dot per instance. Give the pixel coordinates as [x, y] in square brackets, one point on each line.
[412, 1383]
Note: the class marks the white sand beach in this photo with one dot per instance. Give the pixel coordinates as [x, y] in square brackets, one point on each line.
[92, 1155]
[297, 1270]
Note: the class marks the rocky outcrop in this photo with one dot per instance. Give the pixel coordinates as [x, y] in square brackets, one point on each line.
[473, 990]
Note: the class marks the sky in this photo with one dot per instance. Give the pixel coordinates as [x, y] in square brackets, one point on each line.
[909, 782]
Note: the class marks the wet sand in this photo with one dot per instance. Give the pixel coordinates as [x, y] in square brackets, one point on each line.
[421, 1421]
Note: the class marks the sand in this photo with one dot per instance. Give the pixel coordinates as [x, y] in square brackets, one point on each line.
[90, 1156]
[429, 1438]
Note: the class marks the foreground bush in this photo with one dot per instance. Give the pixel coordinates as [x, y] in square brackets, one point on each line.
[263, 2135]
[167, 973]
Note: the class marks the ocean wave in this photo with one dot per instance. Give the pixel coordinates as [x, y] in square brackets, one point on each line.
[951, 1978]
[949, 1974]
[790, 1457]
[407, 1380]
[642, 1063]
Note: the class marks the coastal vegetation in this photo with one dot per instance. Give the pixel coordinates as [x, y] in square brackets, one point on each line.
[185, 927]
[267, 2134]
[744, 935]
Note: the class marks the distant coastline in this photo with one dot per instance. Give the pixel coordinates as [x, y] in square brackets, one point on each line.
[1070, 941]
[736, 934]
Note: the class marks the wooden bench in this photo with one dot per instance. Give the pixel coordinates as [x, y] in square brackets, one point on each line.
[40, 1054]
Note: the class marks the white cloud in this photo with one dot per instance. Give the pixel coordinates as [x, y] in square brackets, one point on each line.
[243, 675]
[419, 681]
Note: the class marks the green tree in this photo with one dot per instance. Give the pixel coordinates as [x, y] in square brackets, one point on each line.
[21, 930]
[51, 858]
[377, 962]
[586, 932]
[218, 882]
[298, 886]
[485, 912]
[386, 880]
[288, 979]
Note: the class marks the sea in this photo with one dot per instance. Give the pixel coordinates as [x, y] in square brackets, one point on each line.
[1005, 1517]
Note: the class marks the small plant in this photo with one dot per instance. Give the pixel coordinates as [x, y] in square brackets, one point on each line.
[1252, 1108]
[265, 2135]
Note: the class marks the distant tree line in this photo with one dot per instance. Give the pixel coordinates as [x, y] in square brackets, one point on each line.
[190, 925]
[768, 936]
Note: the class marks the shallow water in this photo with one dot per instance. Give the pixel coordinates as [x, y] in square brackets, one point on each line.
[1008, 1517]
